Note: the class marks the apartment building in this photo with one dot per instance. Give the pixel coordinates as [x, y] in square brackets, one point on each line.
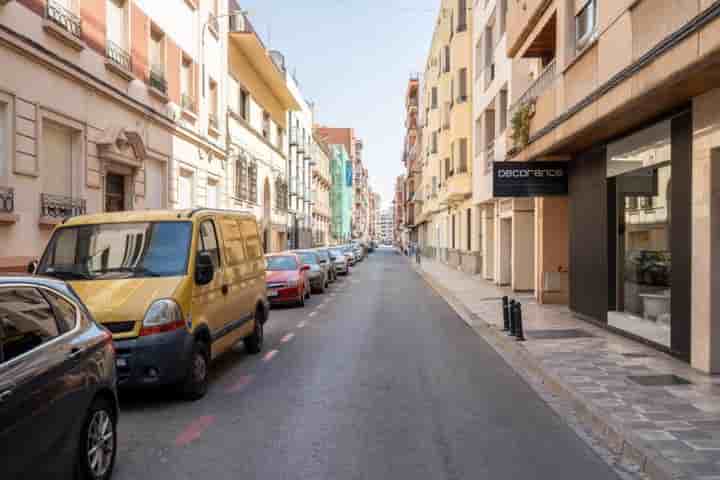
[626, 94]
[447, 171]
[411, 155]
[373, 208]
[258, 101]
[386, 225]
[400, 231]
[107, 109]
[322, 184]
[341, 196]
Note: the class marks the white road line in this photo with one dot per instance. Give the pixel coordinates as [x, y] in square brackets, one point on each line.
[301, 324]
[287, 337]
[312, 314]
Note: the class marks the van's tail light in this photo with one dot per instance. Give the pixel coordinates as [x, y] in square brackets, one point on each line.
[162, 316]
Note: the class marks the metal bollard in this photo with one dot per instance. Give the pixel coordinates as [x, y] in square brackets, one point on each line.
[519, 335]
[506, 314]
[511, 314]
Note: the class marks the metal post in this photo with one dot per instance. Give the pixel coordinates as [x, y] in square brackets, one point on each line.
[519, 336]
[506, 314]
[511, 314]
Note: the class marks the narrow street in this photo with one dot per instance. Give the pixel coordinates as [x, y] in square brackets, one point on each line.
[376, 379]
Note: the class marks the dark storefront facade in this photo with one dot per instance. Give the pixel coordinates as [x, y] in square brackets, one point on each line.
[630, 233]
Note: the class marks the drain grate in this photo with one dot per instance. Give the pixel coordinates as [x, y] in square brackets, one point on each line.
[660, 380]
[559, 334]
[635, 355]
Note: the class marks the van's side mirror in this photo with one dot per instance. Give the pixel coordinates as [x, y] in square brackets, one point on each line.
[204, 269]
[32, 267]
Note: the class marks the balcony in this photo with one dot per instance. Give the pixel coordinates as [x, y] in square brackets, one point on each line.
[157, 80]
[64, 23]
[459, 187]
[119, 59]
[55, 208]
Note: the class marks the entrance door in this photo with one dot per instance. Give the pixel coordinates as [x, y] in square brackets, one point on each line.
[505, 251]
[114, 193]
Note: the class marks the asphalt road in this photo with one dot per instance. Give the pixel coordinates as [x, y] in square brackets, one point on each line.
[377, 379]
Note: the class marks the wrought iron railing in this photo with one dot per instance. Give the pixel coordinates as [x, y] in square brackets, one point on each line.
[60, 206]
[64, 18]
[157, 79]
[7, 200]
[188, 102]
[545, 80]
[118, 55]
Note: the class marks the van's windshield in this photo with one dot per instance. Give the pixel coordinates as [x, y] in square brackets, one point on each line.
[118, 250]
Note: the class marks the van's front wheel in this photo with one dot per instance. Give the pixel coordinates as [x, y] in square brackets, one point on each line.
[195, 385]
[254, 343]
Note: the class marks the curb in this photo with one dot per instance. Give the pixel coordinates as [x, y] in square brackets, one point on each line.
[615, 437]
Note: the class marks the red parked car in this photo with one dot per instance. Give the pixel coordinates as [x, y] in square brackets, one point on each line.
[286, 280]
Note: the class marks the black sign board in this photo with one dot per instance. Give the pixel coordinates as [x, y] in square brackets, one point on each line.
[530, 179]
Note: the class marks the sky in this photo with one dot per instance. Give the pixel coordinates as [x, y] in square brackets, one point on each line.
[353, 58]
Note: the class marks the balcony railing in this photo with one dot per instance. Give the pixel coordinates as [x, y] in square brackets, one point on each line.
[64, 18]
[489, 155]
[188, 102]
[7, 200]
[157, 79]
[118, 55]
[545, 80]
[59, 206]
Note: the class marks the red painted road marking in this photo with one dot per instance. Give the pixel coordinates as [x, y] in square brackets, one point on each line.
[243, 382]
[301, 324]
[269, 355]
[287, 337]
[194, 430]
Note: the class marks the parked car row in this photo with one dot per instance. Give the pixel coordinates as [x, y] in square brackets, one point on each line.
[293, 276]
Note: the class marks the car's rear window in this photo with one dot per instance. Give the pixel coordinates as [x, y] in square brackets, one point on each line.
[276, 263]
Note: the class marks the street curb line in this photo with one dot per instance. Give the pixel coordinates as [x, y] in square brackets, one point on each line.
[614, 437]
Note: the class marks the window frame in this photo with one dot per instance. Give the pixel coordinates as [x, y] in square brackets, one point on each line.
[201, 242]
[61, 336]
[583, 41]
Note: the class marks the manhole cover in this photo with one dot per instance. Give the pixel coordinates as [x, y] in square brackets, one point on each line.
[635, 355]
[558, 334]
[661, 380]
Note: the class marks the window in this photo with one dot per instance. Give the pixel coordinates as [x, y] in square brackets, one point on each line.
[468, 228]
[280, 139]
[208, 242]
[65, 312]
[462, 16]
[186, 84]
[116, 24]
[57, 144]
[27, 321]
[4, 134]
[266, 125]
[462, 155]
[213, 194]
[157, 51]
[185, 190]
[585, 23]
[214, 121]
[434, 98]
[453, 230]
[241, 175]
[462, 85]
[249, 231]
[478, 57]
[252, 181]
[446, 63]
[503, 109]
[447, 168]
[434, 144]
[233, 241]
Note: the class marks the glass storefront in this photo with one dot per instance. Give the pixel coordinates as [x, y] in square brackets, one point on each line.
[639, 171]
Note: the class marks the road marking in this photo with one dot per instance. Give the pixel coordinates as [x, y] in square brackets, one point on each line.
[243, 382]
[269, 355]
[312, 314]
[194, 430]
[301, 324]
[287, 337]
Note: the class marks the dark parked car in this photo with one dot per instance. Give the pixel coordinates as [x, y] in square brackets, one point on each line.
[341, 262]
[316, 275]
[326, 262]
[58, 402]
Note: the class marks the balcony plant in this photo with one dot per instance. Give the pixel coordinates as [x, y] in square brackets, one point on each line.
[520, 123]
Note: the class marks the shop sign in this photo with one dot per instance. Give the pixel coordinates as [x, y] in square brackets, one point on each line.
[529, 179]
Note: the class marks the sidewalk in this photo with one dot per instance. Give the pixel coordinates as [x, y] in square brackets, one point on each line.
[671, 432]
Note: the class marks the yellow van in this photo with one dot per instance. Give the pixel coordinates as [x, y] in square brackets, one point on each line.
[175, 288]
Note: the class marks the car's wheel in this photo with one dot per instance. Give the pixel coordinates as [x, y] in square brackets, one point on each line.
[195, 384]
[308, 291]
[254, 343]
[98, 443]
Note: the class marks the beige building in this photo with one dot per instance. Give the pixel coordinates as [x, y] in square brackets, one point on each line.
[447, 217]
[104, 107]
[625, 92]
[321, 184]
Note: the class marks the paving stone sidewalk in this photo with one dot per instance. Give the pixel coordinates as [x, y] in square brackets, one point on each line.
[670, 431]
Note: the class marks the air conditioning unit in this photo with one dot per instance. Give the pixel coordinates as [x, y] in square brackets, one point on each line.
[238, 23]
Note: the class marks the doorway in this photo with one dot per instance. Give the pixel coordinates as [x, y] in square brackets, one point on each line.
[505, 251]
[114, 192]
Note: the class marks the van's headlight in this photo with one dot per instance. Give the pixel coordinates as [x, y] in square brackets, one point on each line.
[163, 316]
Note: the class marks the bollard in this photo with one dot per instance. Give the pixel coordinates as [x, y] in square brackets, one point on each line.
[519, 335]
[506, 314]
[511, 314]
